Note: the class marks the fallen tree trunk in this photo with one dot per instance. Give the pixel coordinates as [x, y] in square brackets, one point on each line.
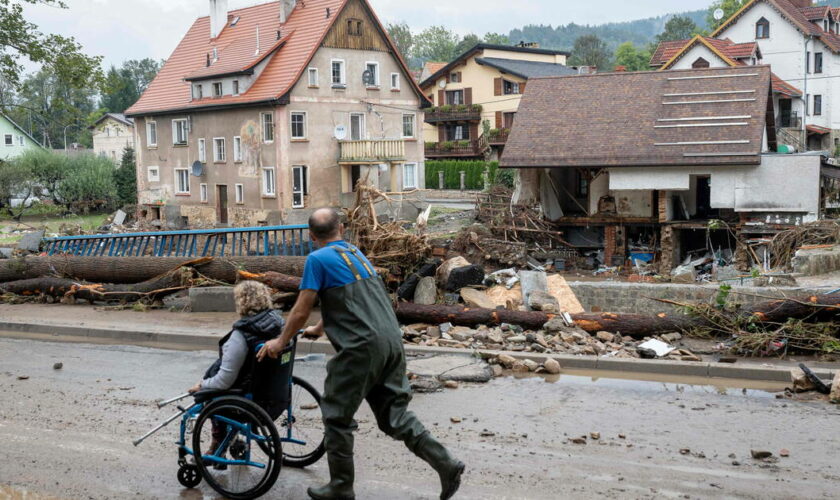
[820, 307]
[278, 281]
[139, 269]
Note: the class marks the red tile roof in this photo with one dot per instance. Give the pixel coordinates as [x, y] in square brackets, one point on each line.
[667, 50]
[818, 12]
[814, 129]
[433, 67]
[782, 87]
[236, 45]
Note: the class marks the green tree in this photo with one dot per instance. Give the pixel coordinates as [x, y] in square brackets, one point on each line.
[16, 183]
[124, 86]
[20, 40]
[729, 7]
[678, 28]
[401, 35]
[436, 43]
[589, 50]
[125, 178]
[633, 58]
[88, 184]
[496, 39]
[469, 41]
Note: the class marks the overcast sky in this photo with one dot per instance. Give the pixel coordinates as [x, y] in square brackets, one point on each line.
[134, 29]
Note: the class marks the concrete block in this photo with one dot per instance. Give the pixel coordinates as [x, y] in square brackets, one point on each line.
[658, 366]
[212, 299]
[749, 372]
[31, 242]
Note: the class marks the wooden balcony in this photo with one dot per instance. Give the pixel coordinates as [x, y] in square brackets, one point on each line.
[454, 149]
[445, 114]
[499, 138]
[372, 151]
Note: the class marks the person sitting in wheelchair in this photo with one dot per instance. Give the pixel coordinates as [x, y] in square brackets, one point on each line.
[237, 368]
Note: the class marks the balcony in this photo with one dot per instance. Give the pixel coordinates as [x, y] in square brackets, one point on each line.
[454, 113]
[453, 149]
[372, 151]
[789, 120]
[498, 137]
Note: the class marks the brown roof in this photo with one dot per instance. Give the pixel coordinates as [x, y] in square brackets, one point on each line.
[782, 87]
[433, 67]
[657, 118]
[666, 51]
[300, 37]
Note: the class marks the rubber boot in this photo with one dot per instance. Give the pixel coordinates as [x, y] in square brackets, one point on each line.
[340, 486]
[448, 468]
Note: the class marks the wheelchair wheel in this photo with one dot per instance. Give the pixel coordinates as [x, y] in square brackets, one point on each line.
[189, 476]
[247, 459]
[303, 432]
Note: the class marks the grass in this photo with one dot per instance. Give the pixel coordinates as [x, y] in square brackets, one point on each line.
[441, 211]
[50, 224]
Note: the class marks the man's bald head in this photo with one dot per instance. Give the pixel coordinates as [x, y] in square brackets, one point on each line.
[324, 224]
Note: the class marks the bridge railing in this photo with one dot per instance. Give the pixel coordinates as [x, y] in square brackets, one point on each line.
[233, 242]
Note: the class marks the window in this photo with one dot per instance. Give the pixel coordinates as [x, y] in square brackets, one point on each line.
[8, 140]
[762, 28]
[300, 185]
[354, 27]
[408, 121]
[217, 89]
[268, 127]
[268, 182]
[511, 88]
[581, 186]
[807, 62]
[817, 105]
[202, 192]
[236, 87]
[357, 126]
[455, 77]
[409, 176]
[818, 62]
[454, 97]
[151, 134]
[240, 193]
[179, 132]
[182, 181]
[202, 151]
[298, 125]
[107, 131]
[700, 63]
[219, 155]
[313, 77]
[395, 81]
[457, 133]
[237, 149]
[373, 69]
[21, 140]
[198, 91]
[338, 77]
[154, 174]
[507, 119]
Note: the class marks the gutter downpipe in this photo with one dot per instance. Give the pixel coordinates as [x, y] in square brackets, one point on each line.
[805, 115]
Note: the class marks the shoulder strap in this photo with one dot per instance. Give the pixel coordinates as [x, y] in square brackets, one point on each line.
[347, 261]
[356, 253]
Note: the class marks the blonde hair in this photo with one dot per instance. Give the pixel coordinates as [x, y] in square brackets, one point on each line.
[251, 297]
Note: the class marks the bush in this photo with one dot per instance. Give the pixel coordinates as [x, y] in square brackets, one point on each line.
[125, 179]
[88, 184]
[452, 173]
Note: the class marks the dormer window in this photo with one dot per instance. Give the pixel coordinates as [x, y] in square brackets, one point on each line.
[762, 28]
[700, 63]
[217, 89]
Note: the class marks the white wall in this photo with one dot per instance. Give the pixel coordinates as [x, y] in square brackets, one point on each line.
[780, 184]
[699, 50]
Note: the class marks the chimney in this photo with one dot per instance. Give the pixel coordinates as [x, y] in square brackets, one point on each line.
[286, 8]
[218, 16]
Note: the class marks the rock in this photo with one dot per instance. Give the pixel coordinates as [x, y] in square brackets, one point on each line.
[784, 453]
[760, 454]
[464, 277]
[685, 451]
[506, 360]
[461, 333]
[519, 367]
[622, 436]
[532, 281]
[552, 366]
[408, 287]
[646, 353]
[540, 339]
[476, 298]
[684, 274]
[516, 339]
[486, 433]
[567, 338]
[447, 267]
[540, 300]
[31, 241]
[595, 435]
[578, 440]
[670, 338]
[605, 336]
[451, 299]
[590, 350]
[555, 324]
[450, 384]
[497, 370]
[426, 292]
[433, 332]
[444, 328]
[801, 382]
[451, 367]
[455, 420]
[425, 384]
[834, 396]
[23, 377]
[495, 336]
[58, 366]
[530, 364]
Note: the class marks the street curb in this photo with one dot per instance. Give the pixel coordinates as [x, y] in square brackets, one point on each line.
[178, 341]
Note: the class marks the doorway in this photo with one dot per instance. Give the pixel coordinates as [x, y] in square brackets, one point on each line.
[221, 204]
[786, 113]
[357, 127]
[355, 175]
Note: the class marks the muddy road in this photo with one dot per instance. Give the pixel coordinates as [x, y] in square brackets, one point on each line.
[67, 434]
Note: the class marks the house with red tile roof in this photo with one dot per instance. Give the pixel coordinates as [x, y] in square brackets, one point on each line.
[800, 41]
[706, 52]
[262, 114]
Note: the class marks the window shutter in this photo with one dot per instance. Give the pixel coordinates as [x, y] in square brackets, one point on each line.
[441, 98]
[473, 131]
[497, 86]
[441, 133]
[499, 119]
[447, 78]
[468, 96]
[522, 87]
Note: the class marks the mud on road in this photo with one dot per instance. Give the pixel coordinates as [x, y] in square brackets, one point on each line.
[67, 434]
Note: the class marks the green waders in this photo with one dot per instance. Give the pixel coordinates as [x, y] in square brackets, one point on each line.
[369, 365]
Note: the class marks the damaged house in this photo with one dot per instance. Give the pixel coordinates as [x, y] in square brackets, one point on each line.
[633, 166]
[265, 113]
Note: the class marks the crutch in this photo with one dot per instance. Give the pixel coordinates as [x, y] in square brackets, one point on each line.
[163, 424]
[161, 404]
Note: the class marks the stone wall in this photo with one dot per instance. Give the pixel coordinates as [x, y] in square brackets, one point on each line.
[817, 261]
[633, 297]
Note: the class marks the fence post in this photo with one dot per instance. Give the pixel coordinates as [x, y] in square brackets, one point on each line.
[463, 180]
[441, 184]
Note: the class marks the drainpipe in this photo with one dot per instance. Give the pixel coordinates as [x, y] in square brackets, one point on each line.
[808, 39]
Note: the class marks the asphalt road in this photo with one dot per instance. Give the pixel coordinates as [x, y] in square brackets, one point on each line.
[67, 434]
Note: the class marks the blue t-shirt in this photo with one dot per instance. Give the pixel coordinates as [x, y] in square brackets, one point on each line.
[325, 268]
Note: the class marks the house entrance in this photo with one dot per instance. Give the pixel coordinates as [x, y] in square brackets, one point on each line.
[221, 204]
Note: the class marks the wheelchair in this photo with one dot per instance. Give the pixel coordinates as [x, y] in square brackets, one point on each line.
[233, 443]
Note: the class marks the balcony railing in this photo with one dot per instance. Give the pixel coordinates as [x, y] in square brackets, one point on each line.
[793, 120]
[498, 137]
[454, 113]
[453, 148]
[372, 151]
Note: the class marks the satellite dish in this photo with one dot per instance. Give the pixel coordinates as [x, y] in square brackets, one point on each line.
[340, 132]
[718, 14]
[442, 83]
[198, 169]
[367, 78]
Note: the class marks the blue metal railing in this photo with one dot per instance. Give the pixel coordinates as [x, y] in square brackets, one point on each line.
[233, 242]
